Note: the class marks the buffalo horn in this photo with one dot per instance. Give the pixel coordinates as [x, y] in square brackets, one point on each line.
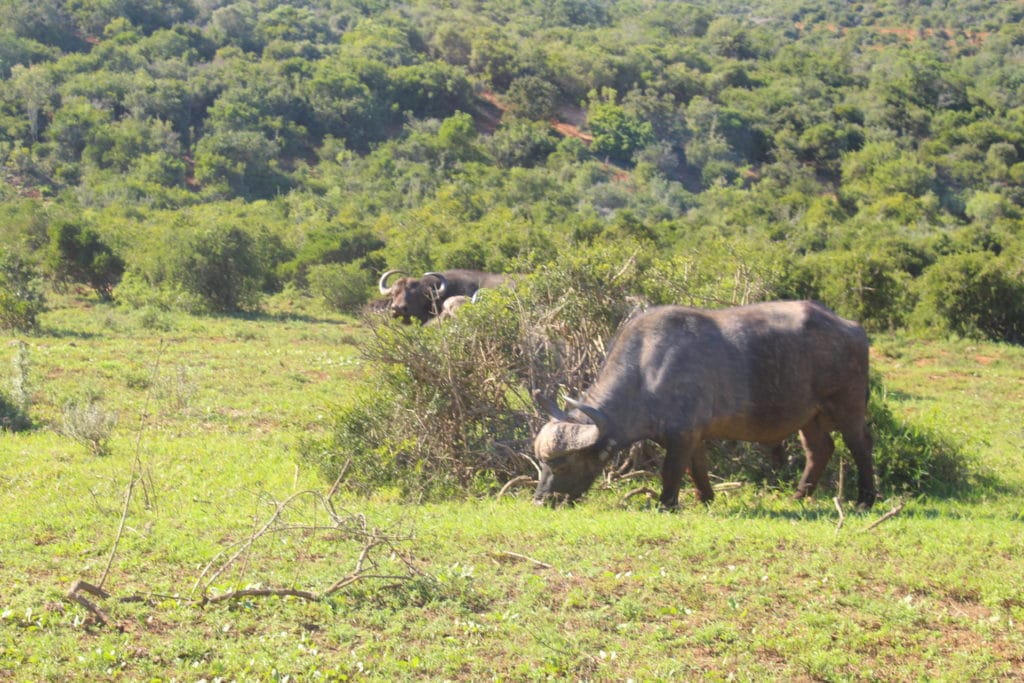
[441, 288]
[550, 407]
[595, 414]
[382, 285]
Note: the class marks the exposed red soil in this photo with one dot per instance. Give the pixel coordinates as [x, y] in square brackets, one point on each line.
[568, 122]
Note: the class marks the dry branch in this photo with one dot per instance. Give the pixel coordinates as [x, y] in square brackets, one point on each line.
[888, 515]
[636, 474]
[258, 592]
[351, 527]
[643, 490]
[506, 555]
[75, 594]
[839, 508]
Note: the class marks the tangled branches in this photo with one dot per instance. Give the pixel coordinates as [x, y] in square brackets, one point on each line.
[352, 527]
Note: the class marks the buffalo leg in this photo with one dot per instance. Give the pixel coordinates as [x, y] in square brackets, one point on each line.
[684, 454]
[776, 454]
[858, 439]
[818, 446]
[676, 460]
[699, 474]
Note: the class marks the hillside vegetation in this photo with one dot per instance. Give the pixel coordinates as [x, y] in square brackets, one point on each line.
[201, 155]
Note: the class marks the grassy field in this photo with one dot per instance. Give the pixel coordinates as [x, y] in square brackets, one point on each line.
[199, 495]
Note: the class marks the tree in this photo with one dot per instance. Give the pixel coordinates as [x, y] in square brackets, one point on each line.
[77, 254]
[221, 266]
[532, 97]
[432, 89]
[35, 86]
[239, 163]
[493, 56]
[618, 134]
[976, 294]
[21, 299]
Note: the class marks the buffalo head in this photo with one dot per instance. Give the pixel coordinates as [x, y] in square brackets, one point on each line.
[418, 298]
[572, 453]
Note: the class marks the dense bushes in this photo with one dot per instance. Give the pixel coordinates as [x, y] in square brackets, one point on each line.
[422, 136]
[446, 408]
[21, 297]
[977, 294]
[342, 286]
[77, 254]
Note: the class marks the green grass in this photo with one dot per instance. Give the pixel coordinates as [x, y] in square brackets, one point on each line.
[210, 411]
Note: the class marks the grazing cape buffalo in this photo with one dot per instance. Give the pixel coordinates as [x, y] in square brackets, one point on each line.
[423, 298]
[680, 376]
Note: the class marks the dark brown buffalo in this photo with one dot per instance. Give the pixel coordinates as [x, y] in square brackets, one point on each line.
[680, 376]
[423, 298]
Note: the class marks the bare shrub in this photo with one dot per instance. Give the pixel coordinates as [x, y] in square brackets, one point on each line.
[14, 406]
[448, 406]
[87, 422]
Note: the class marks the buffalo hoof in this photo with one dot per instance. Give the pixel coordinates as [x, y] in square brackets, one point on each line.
[555, 500]
[866, 500]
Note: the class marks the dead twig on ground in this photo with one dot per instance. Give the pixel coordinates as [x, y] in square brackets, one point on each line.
[839, 508]
[887, 516]
[497, 555]
[643, 490]
[75, 594]
[352, 527]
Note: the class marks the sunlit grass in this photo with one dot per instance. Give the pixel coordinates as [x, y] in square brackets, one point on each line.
[755, 587]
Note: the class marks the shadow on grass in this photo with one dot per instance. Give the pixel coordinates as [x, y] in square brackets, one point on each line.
[281, 316]
[910, 461]
[63, 333]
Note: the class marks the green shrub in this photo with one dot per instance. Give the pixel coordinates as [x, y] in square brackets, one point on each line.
[12, 416]
[719, 272]
[869, 287]
[977, 295]
[77, 254]
[221, 266]
[345, 287]
[87, 422]
[21, 298]
[136, 292]
[14, 406]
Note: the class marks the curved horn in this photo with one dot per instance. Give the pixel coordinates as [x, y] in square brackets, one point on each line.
[382, 284]
[595, 414]
[550, 407]
[442, 287]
